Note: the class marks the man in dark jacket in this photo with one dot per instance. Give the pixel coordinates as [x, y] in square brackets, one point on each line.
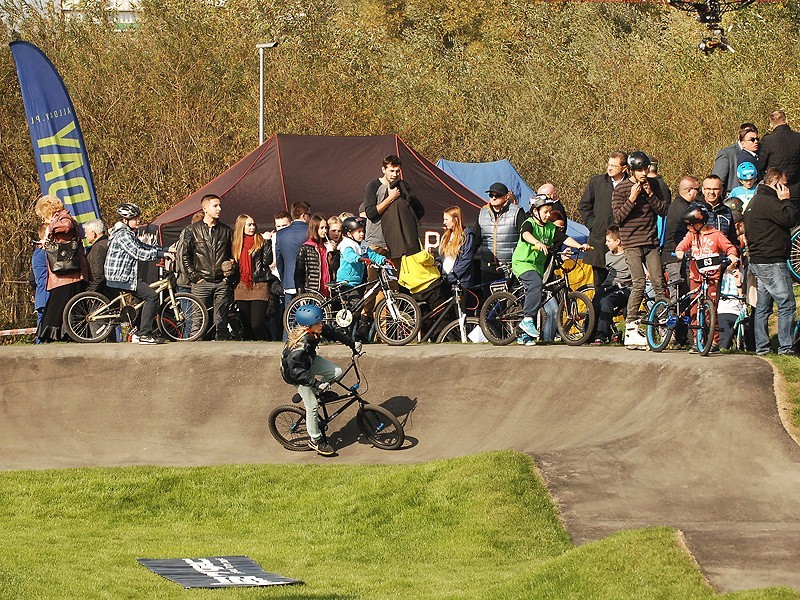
[727, 159]
[781, 149]
[595, 209]
[720, 215]
[674, 231]
[208, 262]
[287, 242]
[95, 233]
[768, 220]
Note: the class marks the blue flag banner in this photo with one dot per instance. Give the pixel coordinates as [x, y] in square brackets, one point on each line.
[57, 141]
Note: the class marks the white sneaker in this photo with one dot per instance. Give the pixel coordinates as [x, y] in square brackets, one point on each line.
[134, 338]
[633, 337]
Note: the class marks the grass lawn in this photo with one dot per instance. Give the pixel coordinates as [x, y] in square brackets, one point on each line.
[475, 527]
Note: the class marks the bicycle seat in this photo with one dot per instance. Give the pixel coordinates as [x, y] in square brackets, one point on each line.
[335, 285]
[676, 281]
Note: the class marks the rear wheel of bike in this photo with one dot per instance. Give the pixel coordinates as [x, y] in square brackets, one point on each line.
[706, 326]
[658, 332]
[189, 324]
[79, 324]
[314, 298]
[575, 320]
[500, 316]
[794, 254]
[287, 424]
[380, 426]
[452, 331]
[398, 323]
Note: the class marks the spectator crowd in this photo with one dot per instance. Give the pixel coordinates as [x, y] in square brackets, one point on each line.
[639, 234]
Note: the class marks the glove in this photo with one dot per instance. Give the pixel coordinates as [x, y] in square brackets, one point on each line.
[365, 260]
[357, 348]
[321, 387]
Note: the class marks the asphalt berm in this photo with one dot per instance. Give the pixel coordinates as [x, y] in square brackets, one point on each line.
[624, 439]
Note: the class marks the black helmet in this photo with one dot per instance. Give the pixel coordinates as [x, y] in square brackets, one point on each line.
[696, 213]
[129, 211]
[540, 200]
[638, 160]
[350, 224]
[734, 203]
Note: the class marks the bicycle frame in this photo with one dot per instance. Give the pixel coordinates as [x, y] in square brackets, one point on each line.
[125, 299]
[349, 398]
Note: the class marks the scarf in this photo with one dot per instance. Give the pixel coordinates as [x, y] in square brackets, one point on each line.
[246, 262]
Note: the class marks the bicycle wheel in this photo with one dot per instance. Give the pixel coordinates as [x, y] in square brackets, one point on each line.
[706, 326]
[659, 333]
[398, 323]
[575, 318]
[794, 254]
[380, 426]
[191, 321]
[287, 424]
[85, 320]
[452, 332]
[301, 300]
[500, 315]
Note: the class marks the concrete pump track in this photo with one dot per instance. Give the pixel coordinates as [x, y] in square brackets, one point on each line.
[624, 439]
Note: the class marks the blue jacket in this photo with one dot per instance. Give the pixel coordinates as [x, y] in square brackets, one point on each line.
[287, 242]
[351, 270]
[39, 266]
[462, 269]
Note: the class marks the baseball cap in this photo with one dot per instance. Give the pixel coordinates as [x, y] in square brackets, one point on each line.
[498, 188]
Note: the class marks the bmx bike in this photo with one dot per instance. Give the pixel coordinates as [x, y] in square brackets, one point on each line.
[287, 423]
[90, 317]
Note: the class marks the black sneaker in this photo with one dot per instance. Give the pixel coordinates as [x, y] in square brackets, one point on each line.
[322, 447]
[150, 340]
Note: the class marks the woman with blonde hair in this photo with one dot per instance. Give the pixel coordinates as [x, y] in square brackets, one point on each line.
[64, 284]
[456, 248]
[251, 294]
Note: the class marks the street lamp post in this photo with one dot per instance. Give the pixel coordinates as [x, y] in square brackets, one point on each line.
[261, 48]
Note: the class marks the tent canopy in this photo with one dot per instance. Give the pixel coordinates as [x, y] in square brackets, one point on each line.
[328, 172]
[479, 176]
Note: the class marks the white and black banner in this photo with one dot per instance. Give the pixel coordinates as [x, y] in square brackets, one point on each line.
[220, 571]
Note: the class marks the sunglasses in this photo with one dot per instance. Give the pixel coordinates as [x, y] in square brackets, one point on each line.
[495, 195]
[754, 139]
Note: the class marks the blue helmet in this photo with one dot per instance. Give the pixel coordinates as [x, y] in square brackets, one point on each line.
[746, 171]
[308, 315]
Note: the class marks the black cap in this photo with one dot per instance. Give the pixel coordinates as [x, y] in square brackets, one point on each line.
[498, 188]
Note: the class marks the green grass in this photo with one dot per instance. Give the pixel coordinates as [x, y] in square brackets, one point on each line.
[475, 527]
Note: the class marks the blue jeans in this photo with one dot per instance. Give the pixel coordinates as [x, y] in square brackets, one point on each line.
[323, 370]
[550, 328]
[774, 283]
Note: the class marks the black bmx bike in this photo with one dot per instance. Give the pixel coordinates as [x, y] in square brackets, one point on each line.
[502, 312]
[287, 424]
[665, 314]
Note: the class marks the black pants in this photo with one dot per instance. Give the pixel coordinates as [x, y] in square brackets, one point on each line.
[148, 295]
[253, 315]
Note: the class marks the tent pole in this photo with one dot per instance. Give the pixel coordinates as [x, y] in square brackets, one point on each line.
[261, 88]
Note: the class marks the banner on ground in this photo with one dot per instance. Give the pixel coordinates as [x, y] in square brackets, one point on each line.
[58, 145]
[221, 571]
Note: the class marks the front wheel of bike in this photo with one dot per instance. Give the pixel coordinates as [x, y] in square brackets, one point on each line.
[706, 327]
[87, 319]
[314, 298]
[184, 321]
[500, 316]
[398, 322]
[659, 332]
[575, 320]
[287, 424]
[380, 426]
[452, 332]
[794, 254]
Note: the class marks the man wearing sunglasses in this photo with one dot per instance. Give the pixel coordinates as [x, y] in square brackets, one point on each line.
[751, 144]
[497, 231]
[727, 159]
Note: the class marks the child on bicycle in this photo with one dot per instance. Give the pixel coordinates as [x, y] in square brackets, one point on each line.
[704, 241]
[615, 289]
[121, 267]
[747, 174]
[538, 237]
[303, 367]
[355, 256]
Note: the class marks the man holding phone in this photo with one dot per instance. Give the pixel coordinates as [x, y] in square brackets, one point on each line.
[768, 221]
